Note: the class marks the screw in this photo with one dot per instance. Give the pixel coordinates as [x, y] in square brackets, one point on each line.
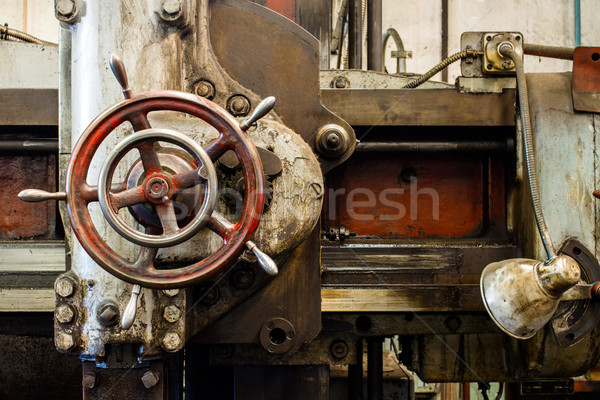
[64, 8]
[64, 314]
[64, 287]
[64, 341]
[242, 278]
[108, 314]
[488, 38]
[89, 381]
[490, 66]
[204, 89]
[172, 313]
[171, 7]
[339, 349]
[150, 379]
[171, 341]
[507, 64]
[171, 292]
[238, 105]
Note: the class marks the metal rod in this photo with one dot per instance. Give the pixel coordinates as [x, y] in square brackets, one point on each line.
[563, 53]
[354, 34]
[29, 146]
[375, 368]
[355, 375]
[374, 38]
[433, 147]
[577, 23]
[444, 37]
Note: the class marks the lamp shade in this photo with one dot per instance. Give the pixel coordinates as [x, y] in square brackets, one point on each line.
[521, 295]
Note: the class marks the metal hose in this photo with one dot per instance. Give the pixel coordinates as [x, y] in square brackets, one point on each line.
[5, 30]
[507, 50]
[443, 64]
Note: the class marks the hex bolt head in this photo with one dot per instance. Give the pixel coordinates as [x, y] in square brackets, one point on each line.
[172, 313]
[238, 105]
[205, 89]
[150, 379]
[64, 341]
[64, 8]
[171, 292]
[171, 341]
[339, 349]
[171, 7]
[89, 380]
[64, 313]
[64, 286]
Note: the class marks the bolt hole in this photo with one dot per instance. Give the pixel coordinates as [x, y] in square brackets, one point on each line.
[277, 336]
[570, 337]
[576, 250]
[595, 57]
[363, 323]
[518, 37]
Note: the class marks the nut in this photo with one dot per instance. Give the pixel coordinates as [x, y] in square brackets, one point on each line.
[332, 140]
[172, 313]
[340, 82]
[238, 105]
[64, 341]
[171, 7]
[204, 89]
[64, 8]
[150, 379]
[89, 381]
[171, 292]
[108, 313]
[171, 341]
[64, 286]
[64, 314]
[339, 349]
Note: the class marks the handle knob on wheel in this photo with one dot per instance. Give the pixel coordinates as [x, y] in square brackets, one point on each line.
[37, 195]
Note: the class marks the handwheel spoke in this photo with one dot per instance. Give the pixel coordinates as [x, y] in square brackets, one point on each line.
[90, 193]
[217, 148]
[186, 180]
[145, 260]
[149, 158]
[218, 224]
[168, 219]
[128, 197]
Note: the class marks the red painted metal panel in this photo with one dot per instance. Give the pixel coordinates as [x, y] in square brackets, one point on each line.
[287, 8]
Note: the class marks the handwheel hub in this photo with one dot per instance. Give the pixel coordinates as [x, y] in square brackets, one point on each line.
[158, 189]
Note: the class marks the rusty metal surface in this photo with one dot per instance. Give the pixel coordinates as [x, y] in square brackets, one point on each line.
[294, 294]
[586, 79]
[19, 220]
[293, 79]
[432, 107]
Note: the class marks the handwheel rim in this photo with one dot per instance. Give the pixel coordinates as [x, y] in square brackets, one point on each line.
[80, 194]
[143, 239]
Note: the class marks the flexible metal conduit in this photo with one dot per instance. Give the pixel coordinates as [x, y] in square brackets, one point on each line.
[507, 50]
[5, 30]
[443, 64]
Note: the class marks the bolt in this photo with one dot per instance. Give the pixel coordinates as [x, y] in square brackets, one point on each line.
[238, 105]
[64, 8]
[204, 89]
[171, 341]
[171, 7]
[223, 351]
[64, 314]
[150, 379]
[171, 292]
[208, 294]
[332, 140]
[507, 64]
[172, 313]
[339, 349]
[64, 341]
[340, 82]
[89, 380]
[64, 286]
[108, 314]
[242, 278]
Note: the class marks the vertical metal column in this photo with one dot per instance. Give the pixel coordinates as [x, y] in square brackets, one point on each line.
[355, 375]
[374, 38]
[355, 34]
[374, 368]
